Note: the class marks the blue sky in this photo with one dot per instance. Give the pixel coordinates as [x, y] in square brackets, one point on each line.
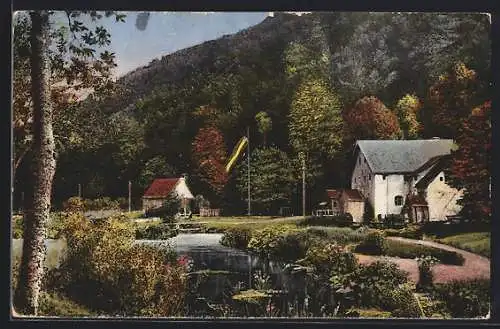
[168, 32]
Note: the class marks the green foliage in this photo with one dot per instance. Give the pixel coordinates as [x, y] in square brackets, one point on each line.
[155, 167]
[407, 109]
[409, 232]
[236, 238]
[74, 204]
[406, 250]
[367, 313]
[264, 124]
[272, 178]
[373, 244]
[394, 221]
[382, 285]
[478, 243]
[330, 259]
[315, 119]
[340, 235]
[104, 203]
[465, 299]
[52, 304]
[106, 272]
[279, 242]
[155, 232]
[338, 220]
[167, 211]
[425, 276]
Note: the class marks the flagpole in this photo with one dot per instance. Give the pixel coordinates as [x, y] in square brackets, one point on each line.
[248, 168]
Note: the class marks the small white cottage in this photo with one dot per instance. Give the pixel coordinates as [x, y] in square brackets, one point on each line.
[161, 188]
[406, 177]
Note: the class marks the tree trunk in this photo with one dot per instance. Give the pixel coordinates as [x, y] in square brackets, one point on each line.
[44, 164]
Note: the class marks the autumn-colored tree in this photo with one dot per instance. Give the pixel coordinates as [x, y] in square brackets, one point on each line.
[209, 155]
[407, 110]
[450, 100]
[471, 163]
[371, 119]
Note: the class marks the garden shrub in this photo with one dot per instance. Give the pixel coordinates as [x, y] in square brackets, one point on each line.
[373, 244]
[425, 276]
[52, 304]
[236, 237]
[276, 242]
[105, 271]
[409, 232]
[329, 259]
[74, 204]
[465, 299]
[394, 221]
[155, 232]
[406, 250]
[167, 211]
[381, 285]
[339, 220]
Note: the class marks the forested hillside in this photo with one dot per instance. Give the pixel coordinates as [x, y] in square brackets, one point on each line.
[319, 82]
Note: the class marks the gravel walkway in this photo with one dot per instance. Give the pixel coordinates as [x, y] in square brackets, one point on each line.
[474, 267]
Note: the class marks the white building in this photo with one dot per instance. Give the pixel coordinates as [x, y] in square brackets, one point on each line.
[161, 188]
[406, 177]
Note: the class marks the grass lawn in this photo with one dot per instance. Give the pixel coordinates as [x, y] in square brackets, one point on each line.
[252, 222]
[476, 242]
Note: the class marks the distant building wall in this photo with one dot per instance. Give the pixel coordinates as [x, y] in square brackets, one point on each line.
[442, 199]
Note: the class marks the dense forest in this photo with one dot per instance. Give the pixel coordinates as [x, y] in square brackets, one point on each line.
[304, 85]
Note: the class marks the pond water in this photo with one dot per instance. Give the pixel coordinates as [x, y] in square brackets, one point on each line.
[203, 248]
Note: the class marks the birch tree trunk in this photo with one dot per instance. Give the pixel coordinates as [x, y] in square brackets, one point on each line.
[37, 209]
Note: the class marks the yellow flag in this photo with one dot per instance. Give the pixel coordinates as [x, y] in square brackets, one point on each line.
[238, 150]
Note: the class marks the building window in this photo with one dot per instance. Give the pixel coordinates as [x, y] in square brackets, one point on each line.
[383, 177]
[441, 178]
[398, 200]
[335, 204]
[365, 160]
[369, 177]
[359, 161]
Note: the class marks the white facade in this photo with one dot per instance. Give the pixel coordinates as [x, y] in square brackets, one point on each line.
[387, 192]
[182, 190]
[442, 198]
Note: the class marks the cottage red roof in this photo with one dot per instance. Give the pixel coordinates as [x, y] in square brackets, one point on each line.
[333, 194]
[354, 195]
[161, 187]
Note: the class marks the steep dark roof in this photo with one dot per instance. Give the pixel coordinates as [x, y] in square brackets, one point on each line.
[353, 195]
[333, 194]
[433, 172]
[402, 156]
[161, 187]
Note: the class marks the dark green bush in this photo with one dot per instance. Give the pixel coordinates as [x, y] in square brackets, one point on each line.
[330, 259]
[236, 238]
[465, 299]
[443, 229]
[155, 232]
[373, 244]
[384, 286]
[394, 221]
[406, 250]
[167, 211]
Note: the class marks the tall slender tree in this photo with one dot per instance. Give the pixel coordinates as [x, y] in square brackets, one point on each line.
[43, 67]
[44, 167]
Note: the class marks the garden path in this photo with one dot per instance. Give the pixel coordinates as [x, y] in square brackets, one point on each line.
[474, 267]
